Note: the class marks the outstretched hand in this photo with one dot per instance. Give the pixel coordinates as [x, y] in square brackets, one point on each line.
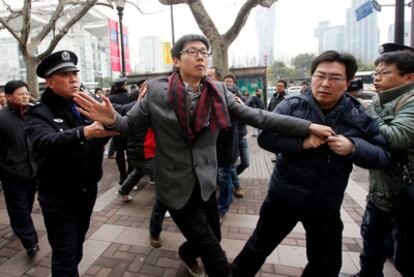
[89, 107]
[97, 130]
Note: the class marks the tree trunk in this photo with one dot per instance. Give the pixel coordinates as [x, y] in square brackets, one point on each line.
[220, 55]
[32, 81]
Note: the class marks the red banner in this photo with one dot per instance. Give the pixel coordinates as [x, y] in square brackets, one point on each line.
[114, 45]
[126, 49]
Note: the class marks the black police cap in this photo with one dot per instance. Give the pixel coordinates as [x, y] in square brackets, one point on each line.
[58, 62]
[392, 47]
[120, 81]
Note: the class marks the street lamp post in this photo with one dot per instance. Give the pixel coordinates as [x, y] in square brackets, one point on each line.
[120, 4]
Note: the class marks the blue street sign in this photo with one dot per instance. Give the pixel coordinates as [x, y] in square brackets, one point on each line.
[363, 10]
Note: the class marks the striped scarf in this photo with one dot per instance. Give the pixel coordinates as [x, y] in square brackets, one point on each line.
[210, 110]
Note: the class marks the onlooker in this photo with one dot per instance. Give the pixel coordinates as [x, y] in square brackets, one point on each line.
[227, 154]
[230, 81]
[99, 92]
[17, 166]
[256, 102]
[305, 87]
[3, 100]
[311, 175]
[69, 150]
[278, 96]
[391, 193]
[179, 110]
[119, 95]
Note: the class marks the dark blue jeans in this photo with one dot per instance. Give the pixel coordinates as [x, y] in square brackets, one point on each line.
[141, 168]
[225, 183]
[157, 217]
[199, 223]
[244, 155]
[376, 226]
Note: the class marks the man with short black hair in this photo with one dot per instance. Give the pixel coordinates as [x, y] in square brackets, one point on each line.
[278, 96]
[390, 198]
[186, 111]
[310, 177]
[17, 165]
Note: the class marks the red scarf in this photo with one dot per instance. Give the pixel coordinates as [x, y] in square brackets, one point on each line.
[210, 110]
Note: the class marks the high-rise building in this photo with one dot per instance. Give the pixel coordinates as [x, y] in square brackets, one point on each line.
[150, 54]
[362, 37]
[407, 34]
[265, 29]
[330, 37]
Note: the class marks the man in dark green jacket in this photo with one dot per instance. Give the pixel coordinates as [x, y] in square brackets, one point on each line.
[394, 110]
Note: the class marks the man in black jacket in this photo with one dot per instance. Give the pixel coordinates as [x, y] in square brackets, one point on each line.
[310, 177]
[17, 166]
[278, 96]
[69, 150]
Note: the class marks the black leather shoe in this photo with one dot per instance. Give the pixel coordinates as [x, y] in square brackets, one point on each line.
[32, 250]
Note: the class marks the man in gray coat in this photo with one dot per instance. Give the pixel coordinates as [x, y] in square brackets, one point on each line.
[186, 111]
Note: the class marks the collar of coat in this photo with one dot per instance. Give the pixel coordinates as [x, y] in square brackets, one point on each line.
[391, 94]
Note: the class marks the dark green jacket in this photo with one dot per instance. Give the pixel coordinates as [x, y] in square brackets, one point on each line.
[395, 114]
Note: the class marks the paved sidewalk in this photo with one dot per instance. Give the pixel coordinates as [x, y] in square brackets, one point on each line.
[118, 245]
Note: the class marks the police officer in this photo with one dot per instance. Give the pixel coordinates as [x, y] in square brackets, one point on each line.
[69, 150]
[17, 166]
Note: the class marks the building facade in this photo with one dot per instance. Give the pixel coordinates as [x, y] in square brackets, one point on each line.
[265, 29]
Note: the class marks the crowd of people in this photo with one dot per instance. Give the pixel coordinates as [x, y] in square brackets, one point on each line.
[187, 133]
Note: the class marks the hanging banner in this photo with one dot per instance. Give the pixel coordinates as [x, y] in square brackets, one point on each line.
[167, 52]
[114, 46]
[126, 49]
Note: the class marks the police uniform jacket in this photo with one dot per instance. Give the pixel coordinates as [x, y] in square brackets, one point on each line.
[67, 162]
[16, 160]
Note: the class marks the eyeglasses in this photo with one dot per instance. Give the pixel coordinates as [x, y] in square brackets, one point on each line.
[383, 73]
[332, 79]
[21, 94]
[194, 52]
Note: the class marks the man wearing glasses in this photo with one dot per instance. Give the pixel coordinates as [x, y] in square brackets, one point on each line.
[186, 111]
[391, 194]
[310, 177]
[17, 165]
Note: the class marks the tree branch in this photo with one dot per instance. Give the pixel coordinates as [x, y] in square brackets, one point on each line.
[203, 19]
[242, 16]
[173, 2]
[51, 24]
[86, 7]
[26, 25]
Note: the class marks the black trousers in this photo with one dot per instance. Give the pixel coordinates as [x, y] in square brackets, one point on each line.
[67, 220]
[405, 233]
[19, 198]
[278, 216]
[199, 223]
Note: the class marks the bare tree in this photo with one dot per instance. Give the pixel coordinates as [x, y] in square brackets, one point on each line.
[220, 42]
[59, 18]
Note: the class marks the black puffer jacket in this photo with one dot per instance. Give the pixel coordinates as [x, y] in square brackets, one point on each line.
[316, 179]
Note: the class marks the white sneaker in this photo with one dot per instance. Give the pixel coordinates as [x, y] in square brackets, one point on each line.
[167, 214]
[125, 198]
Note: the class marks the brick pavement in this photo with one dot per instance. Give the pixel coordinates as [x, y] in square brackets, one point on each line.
[117, 242]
